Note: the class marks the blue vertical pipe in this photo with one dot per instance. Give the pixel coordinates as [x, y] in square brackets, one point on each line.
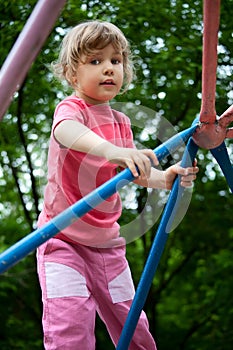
[155, 253]
[29, 243]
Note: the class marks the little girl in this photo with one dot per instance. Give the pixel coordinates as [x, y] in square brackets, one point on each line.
[83, 269]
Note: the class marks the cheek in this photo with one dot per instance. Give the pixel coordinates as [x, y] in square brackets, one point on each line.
[121, 80]
[85, 79]
[121, 73]
[90, 75]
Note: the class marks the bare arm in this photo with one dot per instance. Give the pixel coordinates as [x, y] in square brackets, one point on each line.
[78, 137]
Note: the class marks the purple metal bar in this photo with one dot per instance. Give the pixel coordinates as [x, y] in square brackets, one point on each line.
[26, 48]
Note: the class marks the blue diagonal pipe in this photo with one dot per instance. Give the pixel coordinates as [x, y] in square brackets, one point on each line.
[29, 243]
[221, 155]
[155, 252]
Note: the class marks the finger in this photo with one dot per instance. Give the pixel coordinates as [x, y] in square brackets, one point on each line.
[142, 163]
[187, 181]
[179, 170]
[133, 167]
[186, 171]
[147, 167]
[192, 170]
[144, 168]
[188, 178]
[187, 184]
[195, 162]
[153, 159]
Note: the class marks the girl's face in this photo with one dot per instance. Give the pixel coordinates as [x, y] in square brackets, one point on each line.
[100, 78]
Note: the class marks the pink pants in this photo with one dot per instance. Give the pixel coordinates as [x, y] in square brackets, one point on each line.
[78, 281]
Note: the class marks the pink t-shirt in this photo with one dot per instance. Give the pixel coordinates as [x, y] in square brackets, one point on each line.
[73, 174]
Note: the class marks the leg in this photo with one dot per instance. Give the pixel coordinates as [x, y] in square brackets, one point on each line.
[115, 294]
[68, 324]
[68, 306]
[114, 316]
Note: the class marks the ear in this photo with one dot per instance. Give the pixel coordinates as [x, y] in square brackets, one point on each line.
[74, 81]
[71, 78]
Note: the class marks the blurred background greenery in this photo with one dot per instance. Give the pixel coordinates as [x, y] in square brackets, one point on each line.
[190, 304]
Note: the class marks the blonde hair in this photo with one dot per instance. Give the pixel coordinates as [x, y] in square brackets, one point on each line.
[84, 39]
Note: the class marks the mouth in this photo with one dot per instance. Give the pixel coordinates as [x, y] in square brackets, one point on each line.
[108, 82]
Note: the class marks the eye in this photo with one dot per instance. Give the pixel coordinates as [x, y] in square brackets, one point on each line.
[116, 61]
[95, 62]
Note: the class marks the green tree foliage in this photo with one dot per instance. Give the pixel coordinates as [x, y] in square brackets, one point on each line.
[190, 301]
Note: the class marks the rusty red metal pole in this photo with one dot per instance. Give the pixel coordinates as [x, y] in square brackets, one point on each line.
[212, 130]
[210, 134]
[211, 12]
[26, 49]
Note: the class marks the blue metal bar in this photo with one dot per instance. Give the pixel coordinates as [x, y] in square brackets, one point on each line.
[155, 252]
[29, 243]
[221, 155]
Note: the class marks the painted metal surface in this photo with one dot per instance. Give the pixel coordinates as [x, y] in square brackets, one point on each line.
[155, 252]
[29, 243]
[209, 134]
[211, 14]
[26, 48]
[212, 130]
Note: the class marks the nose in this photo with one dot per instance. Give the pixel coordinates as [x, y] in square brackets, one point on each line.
[108, 69]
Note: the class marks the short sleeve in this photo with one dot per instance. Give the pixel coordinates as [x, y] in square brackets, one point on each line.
[68, 109]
